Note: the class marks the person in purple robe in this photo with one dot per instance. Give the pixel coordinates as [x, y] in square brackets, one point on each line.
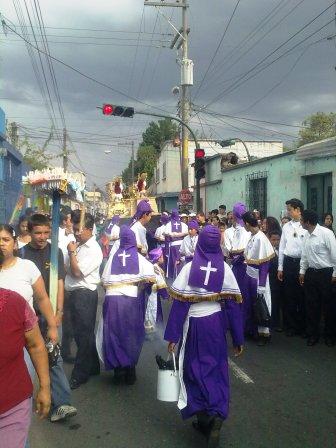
[206, 304]
[235, 244]
[159, 236]
[174, 233]
[258, 253]
[158, 291]
[142, 217]
[121, 331]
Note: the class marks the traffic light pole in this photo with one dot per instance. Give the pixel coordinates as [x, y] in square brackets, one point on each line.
[185, 115]
[197, 184]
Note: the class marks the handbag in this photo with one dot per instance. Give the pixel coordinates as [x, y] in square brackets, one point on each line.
[168, 382]
[261, 314]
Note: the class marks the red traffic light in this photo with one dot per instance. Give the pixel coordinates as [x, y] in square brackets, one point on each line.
[108, 109]
[199, 153]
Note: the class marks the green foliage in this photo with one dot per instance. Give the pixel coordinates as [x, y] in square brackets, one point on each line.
[157, 133]
[152, 139]
[37, 158]
[318, 127]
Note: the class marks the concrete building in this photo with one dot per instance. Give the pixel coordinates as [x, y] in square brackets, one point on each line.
[308, 173]
[167, 180]
[11, 170]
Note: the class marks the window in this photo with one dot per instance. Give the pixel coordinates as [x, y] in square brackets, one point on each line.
[164, 168]
[157, 175]
[256, 190]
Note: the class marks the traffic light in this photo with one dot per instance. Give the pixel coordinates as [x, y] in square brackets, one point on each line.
[118, 111]
[199, 164]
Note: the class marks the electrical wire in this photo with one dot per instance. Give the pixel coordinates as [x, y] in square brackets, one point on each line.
[217, 49]
[267, 19]
[241, 80]
[74, 69]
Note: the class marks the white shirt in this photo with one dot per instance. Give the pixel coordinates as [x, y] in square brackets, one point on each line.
[228, 236]
[239, 240]
[188, 245]
[159, 233]
[114, 234]
[140, 235]
[20, 278]
[89, 257]
[291, 241]
[318, 250]
[63, 241]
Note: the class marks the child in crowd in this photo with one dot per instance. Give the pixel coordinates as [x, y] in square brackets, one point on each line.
[154, 315]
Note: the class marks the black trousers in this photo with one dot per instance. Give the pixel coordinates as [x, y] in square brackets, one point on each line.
[277, 303]
[83, 307]
[67, 330]
[294, 310]
[319, 299]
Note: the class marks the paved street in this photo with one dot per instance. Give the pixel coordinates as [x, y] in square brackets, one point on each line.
[291, 403]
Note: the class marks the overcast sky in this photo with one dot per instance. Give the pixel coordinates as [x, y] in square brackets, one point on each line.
[141, 66]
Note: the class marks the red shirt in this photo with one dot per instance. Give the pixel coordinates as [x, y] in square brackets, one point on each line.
[16, 317]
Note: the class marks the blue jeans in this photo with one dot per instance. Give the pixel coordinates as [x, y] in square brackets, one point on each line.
[60, 388]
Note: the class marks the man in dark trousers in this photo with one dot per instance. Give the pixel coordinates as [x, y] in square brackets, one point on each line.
[38, 251]
[82, 279]
[288, 270]
[317, 275]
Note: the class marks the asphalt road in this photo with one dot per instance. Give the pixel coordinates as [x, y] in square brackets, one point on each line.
[284, 396]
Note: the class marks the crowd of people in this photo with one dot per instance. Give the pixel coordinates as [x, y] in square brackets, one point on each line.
[231, 271]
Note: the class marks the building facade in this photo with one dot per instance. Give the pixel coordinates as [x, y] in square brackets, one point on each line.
[167, 180]
[11, 170]
[308, 173]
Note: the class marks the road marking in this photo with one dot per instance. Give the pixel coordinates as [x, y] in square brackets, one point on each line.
[239, 373]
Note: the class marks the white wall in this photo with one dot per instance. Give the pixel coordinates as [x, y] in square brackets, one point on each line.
[171, 156]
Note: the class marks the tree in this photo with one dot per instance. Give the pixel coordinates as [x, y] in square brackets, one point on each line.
[36, 158]
[157, 133]
[152, 139]
[318, 127]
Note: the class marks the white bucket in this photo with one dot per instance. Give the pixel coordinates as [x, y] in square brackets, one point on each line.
[168, 384]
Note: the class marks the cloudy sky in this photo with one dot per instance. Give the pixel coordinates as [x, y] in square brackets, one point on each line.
[274, 63]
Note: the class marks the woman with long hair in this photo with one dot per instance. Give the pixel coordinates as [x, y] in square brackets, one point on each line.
[270, 225]
[23, 237]
[23, 277]
[328, 221]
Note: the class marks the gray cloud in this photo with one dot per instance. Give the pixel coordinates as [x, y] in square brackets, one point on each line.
[305, 89]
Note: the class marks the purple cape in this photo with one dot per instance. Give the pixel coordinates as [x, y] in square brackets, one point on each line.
[126, 260]
[207, 267]
[175, 221]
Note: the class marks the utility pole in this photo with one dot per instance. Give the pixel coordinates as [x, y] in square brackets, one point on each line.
[132, 164]
[185, 112]
[181, 40]
[64, 151]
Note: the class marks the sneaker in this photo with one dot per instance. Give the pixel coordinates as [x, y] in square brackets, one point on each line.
[63, 412]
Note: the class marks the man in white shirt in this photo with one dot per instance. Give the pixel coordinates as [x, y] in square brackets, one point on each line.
[65, 236]
[288, 270]
[142, 217]
[82, 281]
[317, 274]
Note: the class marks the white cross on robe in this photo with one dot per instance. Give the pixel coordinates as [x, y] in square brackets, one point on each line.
[124, 256]
[177, 225]
[208, 270]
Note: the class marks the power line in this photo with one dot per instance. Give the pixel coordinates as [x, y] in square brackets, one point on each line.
[238, 82]
[251, 35]
[96, 81]
[217, 49]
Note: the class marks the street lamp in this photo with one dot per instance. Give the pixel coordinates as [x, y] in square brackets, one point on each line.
[231, 141]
